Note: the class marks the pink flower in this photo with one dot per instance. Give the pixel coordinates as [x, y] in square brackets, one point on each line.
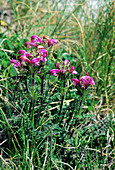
[54, 72]
[87, 74]
[40, 47]
[65, 67]
[36, 61]
[35, 38]
[38, 72]
[30, 44]
[24, 52]
[76, 81]
[43, 59]
[63, 70]
[15, 63]
[72, 70]
[57, 65]
[84, 82]
[91, 81]
[47, 40]
[23, 58]
[43, 54]
[66, 62]
[53, 41]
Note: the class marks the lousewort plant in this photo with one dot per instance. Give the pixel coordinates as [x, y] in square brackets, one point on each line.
[63, 69]
[81, 86]
[84, 81]
[35, 60]
[31, 62]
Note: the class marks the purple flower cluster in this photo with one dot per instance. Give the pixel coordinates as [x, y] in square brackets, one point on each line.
[38, 56]
[15, 63]
[40, 53]
[84, 81]
[63, 67]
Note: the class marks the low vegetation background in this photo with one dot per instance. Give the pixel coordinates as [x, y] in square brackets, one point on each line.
[33, 137]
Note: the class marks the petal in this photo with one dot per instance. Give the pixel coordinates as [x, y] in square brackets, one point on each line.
[54, 71]
[47, 40]
[16, 63]
[85, 82]
[76, 81]
[92, 81]
[12, 61]
[40, 47]
[28, 54]
[38, 72]
[30, 44]
[54, 74]
[53, 41]
[74, 72]
[72, 69]
[87, 74]
[43, 59]
[25, 59]
[35, 60]
[66, 62]
[63, 70]
[43, 52]
[57, 64]
[22, 52]
[35, 38]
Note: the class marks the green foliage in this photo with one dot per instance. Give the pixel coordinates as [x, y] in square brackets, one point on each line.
[32, 133]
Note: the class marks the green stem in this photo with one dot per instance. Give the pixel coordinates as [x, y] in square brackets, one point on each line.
[71, 133]
[26, 84]
[62, 101]
[32, 102]
[42, 89]
[69, 130]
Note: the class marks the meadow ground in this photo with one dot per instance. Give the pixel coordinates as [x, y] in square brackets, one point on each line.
[47, 120]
